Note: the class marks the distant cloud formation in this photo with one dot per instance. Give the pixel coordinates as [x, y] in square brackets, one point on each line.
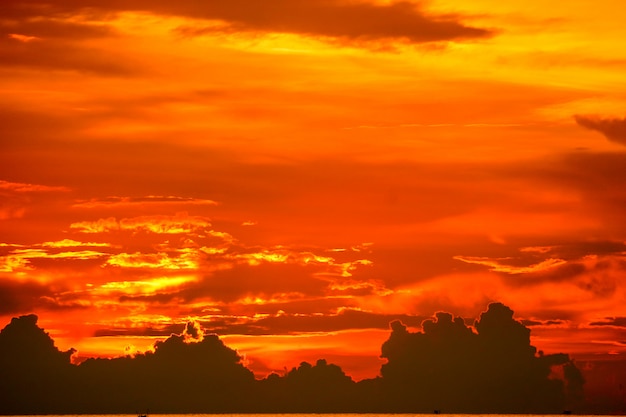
[614, 129]
[448, 366]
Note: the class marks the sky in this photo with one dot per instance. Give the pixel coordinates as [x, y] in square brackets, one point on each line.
[293, 175]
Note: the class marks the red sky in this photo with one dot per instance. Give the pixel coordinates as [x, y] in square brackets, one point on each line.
[293, 175]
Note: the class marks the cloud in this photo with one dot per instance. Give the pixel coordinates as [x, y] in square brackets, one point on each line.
[180, 223]
[493, 370]
[358, 20]
[450, 366]
[63, 55]
[344, 319]
[20, 259]
[127, 202]
[496, 266]
[34, 371]
[21, 297]
[336, 19]
[611, 321]
[69, 243]
[38, 378]
[20, 187]
[45, 28]
[187, 260]
[614, 129]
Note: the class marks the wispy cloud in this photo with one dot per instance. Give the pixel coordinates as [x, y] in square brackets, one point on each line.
[613, 128]
[19, 187]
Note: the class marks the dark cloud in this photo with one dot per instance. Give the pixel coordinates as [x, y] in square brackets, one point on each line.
[531, 323]
[53, 29]
[137, 331]
[611, 321]
[402, 20]
[178, 376]
[349, 20]
[282, 323]
[346, 319]
[64, 55]
[614, 129]
[447, 365]
[34, 372]
[21, 297]
[264, 281]
[319, 388]
[574, 250]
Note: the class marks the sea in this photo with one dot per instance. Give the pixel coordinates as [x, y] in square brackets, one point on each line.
[312, 415]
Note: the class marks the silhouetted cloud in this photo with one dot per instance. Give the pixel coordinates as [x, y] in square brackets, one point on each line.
[181, 375]
[319, 388]
[450, 367]
[446, 366]
[614, 129]
[35, 374]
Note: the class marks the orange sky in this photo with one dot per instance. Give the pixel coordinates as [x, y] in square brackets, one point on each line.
[294, 174]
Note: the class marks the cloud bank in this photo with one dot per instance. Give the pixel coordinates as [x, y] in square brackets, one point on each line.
[492, 369]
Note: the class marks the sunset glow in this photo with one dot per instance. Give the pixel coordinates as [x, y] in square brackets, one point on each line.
[294, 175]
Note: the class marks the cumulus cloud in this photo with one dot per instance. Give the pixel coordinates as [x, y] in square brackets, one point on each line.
[34, 371]
[494, 369]
[614, 129]
[447, 364]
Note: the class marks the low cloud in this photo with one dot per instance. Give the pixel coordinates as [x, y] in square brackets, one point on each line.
[489, 368]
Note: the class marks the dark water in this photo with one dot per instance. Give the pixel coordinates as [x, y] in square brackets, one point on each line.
[309, 415]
